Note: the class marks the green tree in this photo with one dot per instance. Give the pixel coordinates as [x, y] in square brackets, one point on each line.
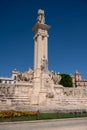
[66, 80]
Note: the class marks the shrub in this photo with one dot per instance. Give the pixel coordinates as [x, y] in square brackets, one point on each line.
[66, 80]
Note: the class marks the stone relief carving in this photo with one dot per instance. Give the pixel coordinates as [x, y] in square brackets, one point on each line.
[26, 76]
[6, 90]
[68, 92]
[74, 92]
[41, 18]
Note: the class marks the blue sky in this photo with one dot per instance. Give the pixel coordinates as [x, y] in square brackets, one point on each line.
[67, 36]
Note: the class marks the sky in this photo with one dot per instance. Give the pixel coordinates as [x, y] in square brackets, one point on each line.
[67, 46]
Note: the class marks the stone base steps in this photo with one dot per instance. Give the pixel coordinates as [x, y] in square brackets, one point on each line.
[71, 101]
[19, 101]
[59, 103]
[15, 101]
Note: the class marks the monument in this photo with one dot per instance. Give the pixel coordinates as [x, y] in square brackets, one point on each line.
[40, 52]
[40, 89]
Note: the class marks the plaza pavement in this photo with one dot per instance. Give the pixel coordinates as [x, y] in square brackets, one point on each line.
[59, 124]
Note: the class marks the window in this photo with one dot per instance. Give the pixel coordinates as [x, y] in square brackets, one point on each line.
[14, 82]
[14, 77]
[0, 81]
[9, 82]
[5, 82]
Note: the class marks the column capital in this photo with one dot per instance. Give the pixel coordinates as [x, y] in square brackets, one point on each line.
[41, 26]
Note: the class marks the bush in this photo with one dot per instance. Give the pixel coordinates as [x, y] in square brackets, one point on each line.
[66, 80]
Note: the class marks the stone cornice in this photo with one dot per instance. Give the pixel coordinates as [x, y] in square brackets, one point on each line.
[41, 26]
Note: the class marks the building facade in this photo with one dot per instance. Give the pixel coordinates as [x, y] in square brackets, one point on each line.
[11, 80]
[78, 81]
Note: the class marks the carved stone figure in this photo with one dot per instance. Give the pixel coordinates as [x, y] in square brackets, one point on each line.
[41, 18]
[55, 77]
[26, 76]
[44, 64]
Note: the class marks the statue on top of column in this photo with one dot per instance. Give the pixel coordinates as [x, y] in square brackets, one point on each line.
[41, 17]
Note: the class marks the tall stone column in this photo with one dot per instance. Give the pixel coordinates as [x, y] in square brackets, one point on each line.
[40, 53]
[40, 40]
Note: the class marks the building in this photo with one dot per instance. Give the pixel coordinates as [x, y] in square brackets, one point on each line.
[11, 80]
[78, 81]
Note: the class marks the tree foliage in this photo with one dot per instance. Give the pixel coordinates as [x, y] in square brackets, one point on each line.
[66, 80]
